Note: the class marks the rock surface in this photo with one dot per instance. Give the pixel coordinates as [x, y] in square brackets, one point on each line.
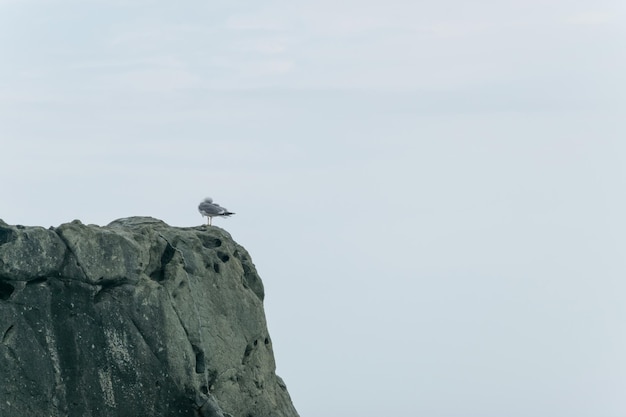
[133, 319]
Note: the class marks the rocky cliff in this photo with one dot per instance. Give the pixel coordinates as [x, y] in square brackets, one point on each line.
[133, 319]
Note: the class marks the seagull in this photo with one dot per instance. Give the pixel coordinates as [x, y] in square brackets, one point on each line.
[210, 209]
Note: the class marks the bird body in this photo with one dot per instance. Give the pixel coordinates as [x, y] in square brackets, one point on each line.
[210, 209]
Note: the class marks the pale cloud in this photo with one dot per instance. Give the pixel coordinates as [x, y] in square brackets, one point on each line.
[271, 67]
[306, 20]
[152, 35]
[452, 29]
[268, 46]
[17, 2]
[139, 37]
[590, 18]
[365, 45]
[250, 68]
[254, 23]
[124, 64]
[152, 80]
[348, 25]
[271, 47]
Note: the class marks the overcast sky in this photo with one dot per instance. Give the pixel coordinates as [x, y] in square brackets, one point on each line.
[432, 192]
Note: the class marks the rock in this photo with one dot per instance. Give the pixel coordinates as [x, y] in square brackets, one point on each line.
[28, 253]
[133, 319]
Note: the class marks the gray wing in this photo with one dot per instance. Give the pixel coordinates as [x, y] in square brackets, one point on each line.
[223, 210]
[209, 209]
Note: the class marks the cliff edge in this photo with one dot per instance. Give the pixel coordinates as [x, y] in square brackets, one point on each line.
[133, 319]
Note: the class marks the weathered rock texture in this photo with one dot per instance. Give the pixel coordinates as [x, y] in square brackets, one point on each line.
[133, 319]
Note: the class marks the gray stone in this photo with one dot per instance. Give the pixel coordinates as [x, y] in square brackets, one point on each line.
[28, 253]
[133, 319]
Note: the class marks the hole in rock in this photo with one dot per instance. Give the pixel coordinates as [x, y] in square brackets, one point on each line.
[200, 363]
[267, 341]
[6, 290]
[248, 351]
[224, 257]
[168, 254]
[212, 377]
[204, 389]
[6, 236]
[216, 268]
[40, 280]
[166, 257]
[210, 242]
